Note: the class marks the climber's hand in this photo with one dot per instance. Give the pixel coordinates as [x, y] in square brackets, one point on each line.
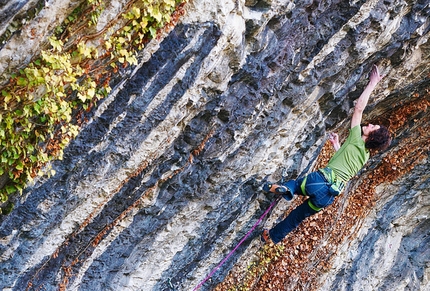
[334, 139]
[375, 77]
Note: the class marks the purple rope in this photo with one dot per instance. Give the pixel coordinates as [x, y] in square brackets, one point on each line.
[238, 245]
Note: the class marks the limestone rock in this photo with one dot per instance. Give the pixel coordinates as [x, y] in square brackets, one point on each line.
[164, 179]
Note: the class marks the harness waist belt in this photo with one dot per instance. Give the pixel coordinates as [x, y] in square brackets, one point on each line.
[330, 176]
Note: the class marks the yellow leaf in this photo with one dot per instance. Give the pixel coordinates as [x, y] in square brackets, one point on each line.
[91, 92]
[132, 60]
[144, 22]
[170, 2]
[108, 45]
[135, 11]
[81, 97]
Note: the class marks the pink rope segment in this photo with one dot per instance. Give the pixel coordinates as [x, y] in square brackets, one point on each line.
[238, 245]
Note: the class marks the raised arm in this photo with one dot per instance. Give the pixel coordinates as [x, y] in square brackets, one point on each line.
[361, 104]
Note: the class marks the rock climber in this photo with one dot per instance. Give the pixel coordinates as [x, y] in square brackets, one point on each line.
[322, 186]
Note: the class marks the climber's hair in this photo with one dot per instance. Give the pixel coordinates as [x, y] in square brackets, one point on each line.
[379, 140]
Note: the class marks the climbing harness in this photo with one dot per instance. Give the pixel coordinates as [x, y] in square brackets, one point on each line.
[336, 186]
[302, 188]
[238, 245]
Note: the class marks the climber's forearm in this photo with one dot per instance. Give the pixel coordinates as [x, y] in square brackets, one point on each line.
[362, 101]
[336, 146]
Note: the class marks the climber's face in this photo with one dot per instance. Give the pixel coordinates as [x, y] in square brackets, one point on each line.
[367, 129]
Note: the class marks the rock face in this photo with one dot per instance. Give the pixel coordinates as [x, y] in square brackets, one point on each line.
[163, 181]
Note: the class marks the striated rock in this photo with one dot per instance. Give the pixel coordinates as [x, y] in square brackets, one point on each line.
[164, 179]
[392, 244]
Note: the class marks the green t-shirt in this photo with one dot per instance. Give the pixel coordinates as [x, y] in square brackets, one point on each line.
[351, 156]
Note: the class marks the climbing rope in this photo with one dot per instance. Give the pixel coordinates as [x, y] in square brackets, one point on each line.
[238, 245]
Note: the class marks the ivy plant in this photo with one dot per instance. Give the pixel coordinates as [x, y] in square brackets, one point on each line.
[41, 102]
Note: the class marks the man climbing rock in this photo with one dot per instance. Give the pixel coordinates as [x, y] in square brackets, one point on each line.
[322, 186]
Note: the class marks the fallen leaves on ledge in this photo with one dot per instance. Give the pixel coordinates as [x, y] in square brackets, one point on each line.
[305, 254]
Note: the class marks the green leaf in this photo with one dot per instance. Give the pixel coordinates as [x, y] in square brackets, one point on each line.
[153, 32]
[3, 198]
[36, 108]
[19, 166]
[30, 148]
[4, 93]
[22, 81]
[10, 189]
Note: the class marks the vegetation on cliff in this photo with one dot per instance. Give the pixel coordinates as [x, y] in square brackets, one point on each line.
[44, 104]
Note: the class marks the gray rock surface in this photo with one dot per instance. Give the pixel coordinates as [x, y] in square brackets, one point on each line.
[164, 180]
